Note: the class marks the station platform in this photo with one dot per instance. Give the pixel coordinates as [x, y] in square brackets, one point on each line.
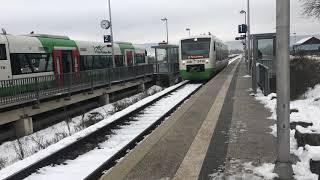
[210, 136]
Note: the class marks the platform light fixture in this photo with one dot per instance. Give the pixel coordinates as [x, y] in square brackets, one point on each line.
[188, 29]
[166, 21]
[245, 15]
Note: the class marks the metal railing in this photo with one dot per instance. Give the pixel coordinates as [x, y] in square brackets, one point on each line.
[166, 68]
[263, 79]
[268, 63]
[34, 89]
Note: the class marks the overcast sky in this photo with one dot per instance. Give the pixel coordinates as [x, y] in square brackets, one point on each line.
[139, 21]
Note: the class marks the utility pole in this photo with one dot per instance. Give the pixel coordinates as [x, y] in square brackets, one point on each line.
[283, 165]
[111, 33]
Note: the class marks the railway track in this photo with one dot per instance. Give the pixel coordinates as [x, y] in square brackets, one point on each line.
[99, 149]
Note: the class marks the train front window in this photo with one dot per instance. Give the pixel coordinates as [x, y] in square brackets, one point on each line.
[3, 53]
[195, 48]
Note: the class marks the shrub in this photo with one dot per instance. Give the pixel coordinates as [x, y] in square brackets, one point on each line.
[304, 74]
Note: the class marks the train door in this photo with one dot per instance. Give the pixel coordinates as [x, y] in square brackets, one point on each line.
[67, 61]
[57, 56]
[76, 60]
[129, 57]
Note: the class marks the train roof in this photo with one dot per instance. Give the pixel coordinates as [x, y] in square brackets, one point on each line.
[49, 36]
[97, 48]
[203, 36]
[44, 43]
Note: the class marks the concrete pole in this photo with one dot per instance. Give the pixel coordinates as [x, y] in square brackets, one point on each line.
[254, 67]
[167, 31]
[248, 41]
[111, 33]
[283, 165]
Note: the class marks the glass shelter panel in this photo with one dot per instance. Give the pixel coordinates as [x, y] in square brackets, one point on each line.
[161, 55]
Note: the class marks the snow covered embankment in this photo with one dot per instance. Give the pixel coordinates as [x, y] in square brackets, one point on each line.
[306, 110]
[85, 164]
[34, 147]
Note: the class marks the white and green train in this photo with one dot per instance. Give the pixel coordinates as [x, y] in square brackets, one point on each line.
[201, 57]
[41, 55]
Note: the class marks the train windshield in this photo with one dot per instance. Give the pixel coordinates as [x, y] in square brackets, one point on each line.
[195, 48]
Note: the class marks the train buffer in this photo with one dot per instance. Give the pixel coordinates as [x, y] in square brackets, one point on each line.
[214, 135]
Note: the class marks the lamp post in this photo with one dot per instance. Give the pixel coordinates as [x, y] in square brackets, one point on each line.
[188, 29]
[111, 33]
[251, 67]
[166, 20]
[245, 40]
[283, 165]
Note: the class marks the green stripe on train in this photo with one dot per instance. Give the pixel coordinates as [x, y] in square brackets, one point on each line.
[123, 46]
[49, 43]
[207, 74]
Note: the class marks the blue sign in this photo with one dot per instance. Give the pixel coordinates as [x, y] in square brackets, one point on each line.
[107, 38]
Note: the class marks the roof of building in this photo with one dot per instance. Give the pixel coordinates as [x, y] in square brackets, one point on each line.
[304, 40]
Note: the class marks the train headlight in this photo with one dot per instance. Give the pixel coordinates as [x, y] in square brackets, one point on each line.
[183, 62]
[207, 61]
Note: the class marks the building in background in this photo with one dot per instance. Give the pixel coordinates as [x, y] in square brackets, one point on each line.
[307, 46]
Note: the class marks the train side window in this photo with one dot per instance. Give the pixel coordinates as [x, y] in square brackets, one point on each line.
[96, 62]
[110, 63]
[139, 58]
[40, 62]
[82, 63]
[15, 64]
[103, 62]
[118, 60]
[3, 52]
[89, 62]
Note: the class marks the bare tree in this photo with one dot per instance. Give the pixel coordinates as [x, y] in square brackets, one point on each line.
[311, 8]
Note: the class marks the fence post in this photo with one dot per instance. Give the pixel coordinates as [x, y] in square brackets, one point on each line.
[144, 71]
[122, 80]
[110, 79]
[91, 82]
[136, 71]
[268, 82]
[105, 77]
[69, 86]
[37, 105]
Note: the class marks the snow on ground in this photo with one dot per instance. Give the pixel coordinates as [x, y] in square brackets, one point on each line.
[235, 58]
[247, 171]
[265, 170]
[83, 165]
[59, 133]
[308, 111]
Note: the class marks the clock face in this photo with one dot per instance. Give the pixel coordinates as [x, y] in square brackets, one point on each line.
[105, 24]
